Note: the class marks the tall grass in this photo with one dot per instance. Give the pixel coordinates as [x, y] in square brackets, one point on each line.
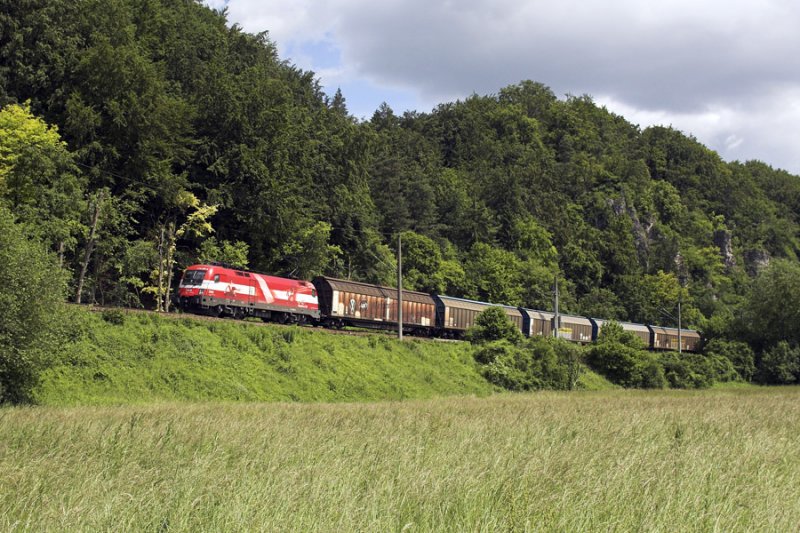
[718, 460]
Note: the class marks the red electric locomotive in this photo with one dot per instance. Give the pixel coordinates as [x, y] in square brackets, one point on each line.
[220, 290]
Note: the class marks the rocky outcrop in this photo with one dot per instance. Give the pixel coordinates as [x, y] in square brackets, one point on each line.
[642, 232]
[756, 260]
[723, 239]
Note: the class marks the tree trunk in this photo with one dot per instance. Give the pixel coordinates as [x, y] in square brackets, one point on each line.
[160, 293]
[170, 263]
[87, 255]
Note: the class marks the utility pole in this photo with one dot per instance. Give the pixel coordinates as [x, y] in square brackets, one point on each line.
[399, 287]
[681, 284]
[557, 319]
[680, 339]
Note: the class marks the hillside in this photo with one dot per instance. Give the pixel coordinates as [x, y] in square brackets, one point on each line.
[137, 138]
[146, 358]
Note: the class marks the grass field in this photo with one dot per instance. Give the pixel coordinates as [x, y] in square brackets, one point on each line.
[720, 459]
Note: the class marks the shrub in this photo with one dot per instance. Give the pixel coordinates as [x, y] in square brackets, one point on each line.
[739, 354]
[687, 371]
[560, 362]
[779, 365]
[493, 324]
[625, 365]
[492, 351]
[508, 366]
[722, 369]
[114, 316]
[538, 363]
[31, 299]
[612, 332]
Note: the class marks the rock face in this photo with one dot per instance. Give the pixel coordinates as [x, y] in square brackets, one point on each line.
[756, 260]
[723, 241]
[642, 232]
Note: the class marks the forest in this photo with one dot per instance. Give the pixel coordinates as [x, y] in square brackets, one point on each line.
[138, 137]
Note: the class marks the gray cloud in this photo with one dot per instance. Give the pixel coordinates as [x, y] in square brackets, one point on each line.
[719, 67]
[675, 59]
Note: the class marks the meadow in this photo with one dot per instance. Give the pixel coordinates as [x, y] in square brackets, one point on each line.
[714, 460]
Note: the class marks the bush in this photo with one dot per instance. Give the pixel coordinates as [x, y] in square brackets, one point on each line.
[493, 324]
[687, 371]
[779, 365]
[31, 299]
[739, 354]
[508, 366]
[612, 332]
[114, 316]
[490, 352]
[626, 366]
[722, 369]
[539, 363]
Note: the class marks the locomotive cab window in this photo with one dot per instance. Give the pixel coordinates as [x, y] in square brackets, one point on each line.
[194, 277]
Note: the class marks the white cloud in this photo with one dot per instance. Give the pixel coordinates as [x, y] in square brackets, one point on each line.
[726, 71]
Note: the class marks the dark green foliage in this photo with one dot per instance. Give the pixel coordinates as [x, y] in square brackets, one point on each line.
[31, 300]
[722, 369]
[538, 363]
[772, 310]
[422, 263]
[739, 354]
[114, 316]
[626, 366]
[612, 332]
[779, 365]
[493, 324]
[687, 371]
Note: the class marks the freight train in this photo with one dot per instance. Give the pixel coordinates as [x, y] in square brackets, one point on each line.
[220, 290]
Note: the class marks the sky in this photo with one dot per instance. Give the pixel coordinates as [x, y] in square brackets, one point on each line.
[725, 71]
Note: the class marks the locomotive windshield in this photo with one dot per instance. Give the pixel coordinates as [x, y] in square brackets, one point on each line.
[194, 277]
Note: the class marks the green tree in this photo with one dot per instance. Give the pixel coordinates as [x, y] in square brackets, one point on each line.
[231, 253]
[612, 332]
[311, 253]
[39, 181]
[422, 263]
[493, 324]
[772, 307]
[494, 273]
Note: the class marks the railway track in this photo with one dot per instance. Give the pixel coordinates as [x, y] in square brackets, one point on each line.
[251, 322]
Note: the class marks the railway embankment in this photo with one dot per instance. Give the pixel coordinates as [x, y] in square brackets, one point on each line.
[118, 357]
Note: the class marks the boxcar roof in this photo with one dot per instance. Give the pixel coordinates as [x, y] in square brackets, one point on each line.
[626, 326]
[539, 315]
[632, 326]
[474, 305]
[367, 289]
[674, 331]
[572, 319]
